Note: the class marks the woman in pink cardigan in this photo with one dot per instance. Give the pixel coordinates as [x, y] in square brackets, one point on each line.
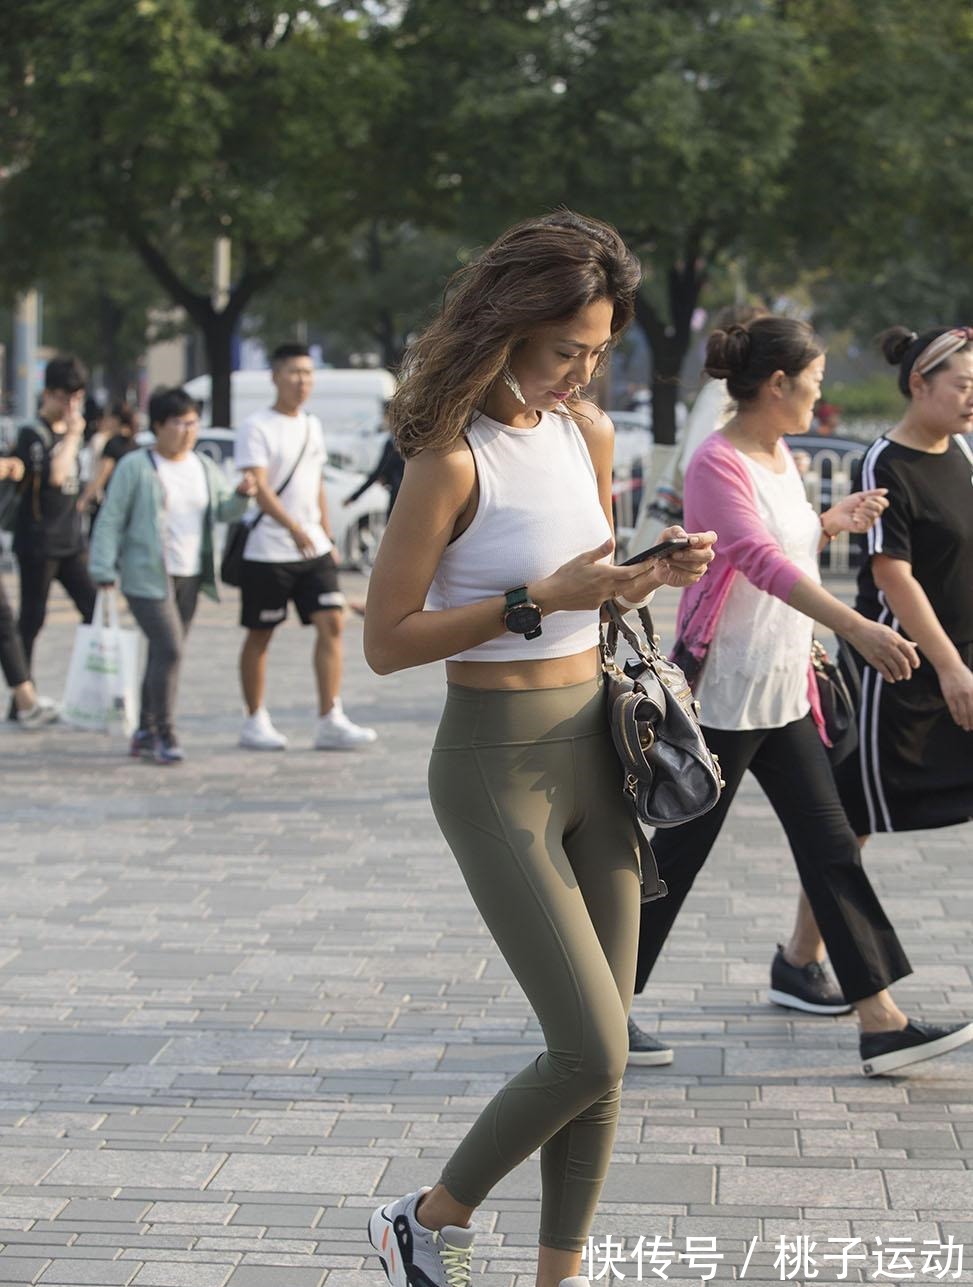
[744, 640]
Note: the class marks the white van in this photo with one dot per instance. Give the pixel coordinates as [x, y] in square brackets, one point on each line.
[347, 402]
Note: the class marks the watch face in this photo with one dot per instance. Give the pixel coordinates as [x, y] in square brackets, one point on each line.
[523, 619]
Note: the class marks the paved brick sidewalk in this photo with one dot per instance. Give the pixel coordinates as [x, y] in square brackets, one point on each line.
[242, 997]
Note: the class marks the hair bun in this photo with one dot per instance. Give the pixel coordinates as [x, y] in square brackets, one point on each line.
[894, 342]
[727, 352]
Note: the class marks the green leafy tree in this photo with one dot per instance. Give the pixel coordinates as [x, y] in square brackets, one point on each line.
[681, 116]
[370, 298]
[165, 124]
[877, 191]
[671, 118]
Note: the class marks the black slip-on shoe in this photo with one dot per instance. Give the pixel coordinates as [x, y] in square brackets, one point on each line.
[807, 987]
[646, 1051]
[886, 1052]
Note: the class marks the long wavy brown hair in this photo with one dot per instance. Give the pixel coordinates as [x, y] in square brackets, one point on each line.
[540, 271]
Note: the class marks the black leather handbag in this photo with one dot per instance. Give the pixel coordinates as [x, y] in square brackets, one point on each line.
[839, 691]
[670, 773]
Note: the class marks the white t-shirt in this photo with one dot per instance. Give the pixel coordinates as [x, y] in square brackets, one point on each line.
[756, 673]
[272, 440]
[186, 502]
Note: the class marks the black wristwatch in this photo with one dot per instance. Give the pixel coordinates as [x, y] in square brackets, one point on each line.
[522, 616]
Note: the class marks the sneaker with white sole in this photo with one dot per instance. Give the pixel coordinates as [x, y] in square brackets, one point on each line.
[43, 712]
[644, 1051]
[886, 1052]
[414, 1256]
[259, 734]
[805, 987]
[336, 732]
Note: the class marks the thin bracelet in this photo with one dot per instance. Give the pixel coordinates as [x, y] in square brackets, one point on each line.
[642, 603]
[828, 536]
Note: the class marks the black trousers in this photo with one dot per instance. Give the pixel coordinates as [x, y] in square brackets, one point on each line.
[12, 659]
[792, 767]
[36, 578]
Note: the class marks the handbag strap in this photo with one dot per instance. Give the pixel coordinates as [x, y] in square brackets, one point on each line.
[300, 456]
[617, 625]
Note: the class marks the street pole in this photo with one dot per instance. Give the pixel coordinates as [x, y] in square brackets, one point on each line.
[221, 273]
[26, 313]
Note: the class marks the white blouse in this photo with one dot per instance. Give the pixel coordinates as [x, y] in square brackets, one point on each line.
[756, 669]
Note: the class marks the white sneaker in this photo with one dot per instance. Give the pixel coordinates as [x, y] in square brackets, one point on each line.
[259, 734]
[413, 1255]
[336, 732]
[44, 711]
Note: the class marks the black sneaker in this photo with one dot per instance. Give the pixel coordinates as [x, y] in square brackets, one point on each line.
[885, 1052]
[644, 1051]
[807, 987]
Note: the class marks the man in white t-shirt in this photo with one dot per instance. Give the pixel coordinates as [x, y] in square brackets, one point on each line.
[289, 556]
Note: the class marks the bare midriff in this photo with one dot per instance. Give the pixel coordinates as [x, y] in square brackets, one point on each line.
[513, 676]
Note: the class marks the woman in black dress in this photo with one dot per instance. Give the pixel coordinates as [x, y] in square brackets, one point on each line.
[914, 763]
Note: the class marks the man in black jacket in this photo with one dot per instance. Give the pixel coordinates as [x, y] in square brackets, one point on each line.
[48, 539]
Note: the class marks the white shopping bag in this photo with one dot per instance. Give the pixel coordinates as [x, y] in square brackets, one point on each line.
[101, 693]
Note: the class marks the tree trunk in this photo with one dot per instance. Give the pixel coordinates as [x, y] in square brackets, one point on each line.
[111, 318]
[217, 327]
[669, 341]
[218, 337]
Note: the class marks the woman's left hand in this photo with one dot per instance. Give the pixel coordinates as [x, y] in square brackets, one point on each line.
[247, 485]
[685, 567]
[856, 513]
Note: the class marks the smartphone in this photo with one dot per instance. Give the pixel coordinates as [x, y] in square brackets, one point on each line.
[657, 551]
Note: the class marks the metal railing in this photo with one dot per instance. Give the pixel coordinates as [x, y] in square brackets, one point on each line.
[827, 475]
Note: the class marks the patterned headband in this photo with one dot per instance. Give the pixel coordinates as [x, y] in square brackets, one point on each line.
[942, 347]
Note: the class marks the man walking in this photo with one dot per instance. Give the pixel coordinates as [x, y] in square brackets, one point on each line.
[289, 556]
[48, 539]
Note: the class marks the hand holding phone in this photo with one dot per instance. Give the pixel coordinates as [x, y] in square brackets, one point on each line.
[660, 551]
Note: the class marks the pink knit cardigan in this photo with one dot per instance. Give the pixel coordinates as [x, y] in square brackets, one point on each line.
[719, 495]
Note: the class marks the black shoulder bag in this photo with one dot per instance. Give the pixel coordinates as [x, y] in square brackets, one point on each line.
[668, 772]
[237, 533]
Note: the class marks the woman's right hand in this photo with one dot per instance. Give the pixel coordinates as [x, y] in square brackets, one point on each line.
[888, 652]
[956, 683]
[585, 582]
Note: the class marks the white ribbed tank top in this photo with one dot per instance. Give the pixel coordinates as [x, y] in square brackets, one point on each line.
[538, 507]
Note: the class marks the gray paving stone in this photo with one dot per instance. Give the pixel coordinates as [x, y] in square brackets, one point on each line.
[196, 1274]
[120, 1167]
[21, 1269]
[268, 1276]
[817, 1186]
[277, 1174]
[99, 1273]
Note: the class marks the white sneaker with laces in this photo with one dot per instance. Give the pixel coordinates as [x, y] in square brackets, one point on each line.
[44, 711]
[414, 1256]
[259, 734]
[336, 732]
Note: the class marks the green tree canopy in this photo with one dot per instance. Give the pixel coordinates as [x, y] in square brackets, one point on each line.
[168, 123]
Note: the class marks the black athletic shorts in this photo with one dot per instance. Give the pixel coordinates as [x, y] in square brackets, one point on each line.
[266, 589]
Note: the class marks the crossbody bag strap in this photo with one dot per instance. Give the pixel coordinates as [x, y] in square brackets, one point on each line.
[300, 456]
[965, 448]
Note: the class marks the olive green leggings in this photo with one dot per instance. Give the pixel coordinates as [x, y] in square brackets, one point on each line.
[526, 789]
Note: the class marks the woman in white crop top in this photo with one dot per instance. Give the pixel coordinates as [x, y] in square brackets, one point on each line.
[497, 559]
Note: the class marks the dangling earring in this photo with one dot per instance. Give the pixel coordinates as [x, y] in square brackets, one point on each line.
[510, 380]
